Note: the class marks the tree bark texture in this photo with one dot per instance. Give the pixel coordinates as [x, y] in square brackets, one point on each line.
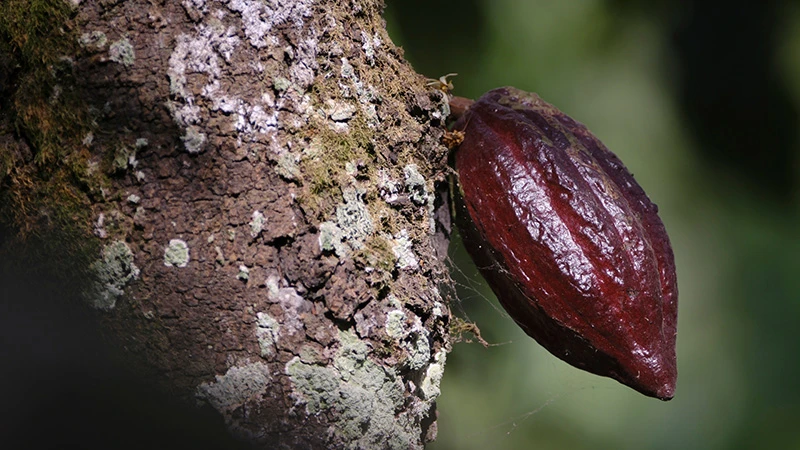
[263, 189]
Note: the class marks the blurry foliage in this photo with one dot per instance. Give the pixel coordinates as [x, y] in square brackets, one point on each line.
[701, 101]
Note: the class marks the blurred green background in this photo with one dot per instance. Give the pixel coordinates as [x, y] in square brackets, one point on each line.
[700, 99]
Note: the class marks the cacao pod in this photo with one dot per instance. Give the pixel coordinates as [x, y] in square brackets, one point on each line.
[568, 241]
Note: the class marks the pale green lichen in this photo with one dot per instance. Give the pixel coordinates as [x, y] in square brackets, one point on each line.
[415, 183]
[395, 323]
[353, 218]
[124, 157]
[414, 339]
[365, 394]
[418, 193]
[176, 254]
[330, 239]
[402, 248]
[122, 52]
[318, 385]
[281, 84]
[257, 224]
[236, 387]
[244, 273]
[287, 166]
[114, 270]
[96, 40]
[267, 330]
[419, 351]
[431, 383]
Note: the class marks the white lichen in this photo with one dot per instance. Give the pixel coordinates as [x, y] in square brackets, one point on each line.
[244, 273]
[388, 187]
[415, 184]
[176, 254]
[259, 17]
[418, 193]
[99, 226]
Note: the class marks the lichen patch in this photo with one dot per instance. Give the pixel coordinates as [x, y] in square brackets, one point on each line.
[367, 395]
[176, 254]
[122, 52]
[236, 387]
[114, 270]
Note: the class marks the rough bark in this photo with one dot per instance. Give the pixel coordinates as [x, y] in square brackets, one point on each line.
[266, 211]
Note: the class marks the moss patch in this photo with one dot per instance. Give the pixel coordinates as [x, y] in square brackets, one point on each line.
[44, 178]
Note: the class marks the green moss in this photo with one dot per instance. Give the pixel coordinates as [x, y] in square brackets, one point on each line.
[39, 29]
[377, 253]
[324, 161]
[47, 112]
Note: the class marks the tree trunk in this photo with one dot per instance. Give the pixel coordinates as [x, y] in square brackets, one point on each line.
[259, 178]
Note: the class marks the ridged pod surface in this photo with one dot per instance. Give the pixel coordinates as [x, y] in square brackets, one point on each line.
[569, 242]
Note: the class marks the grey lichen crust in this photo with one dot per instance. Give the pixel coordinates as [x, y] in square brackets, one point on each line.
[114, 270]
[367, 394]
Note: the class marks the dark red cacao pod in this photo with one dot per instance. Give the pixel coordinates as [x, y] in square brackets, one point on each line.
[569, 242]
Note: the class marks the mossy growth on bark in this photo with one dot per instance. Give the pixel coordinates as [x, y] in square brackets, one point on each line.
[45, 180]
